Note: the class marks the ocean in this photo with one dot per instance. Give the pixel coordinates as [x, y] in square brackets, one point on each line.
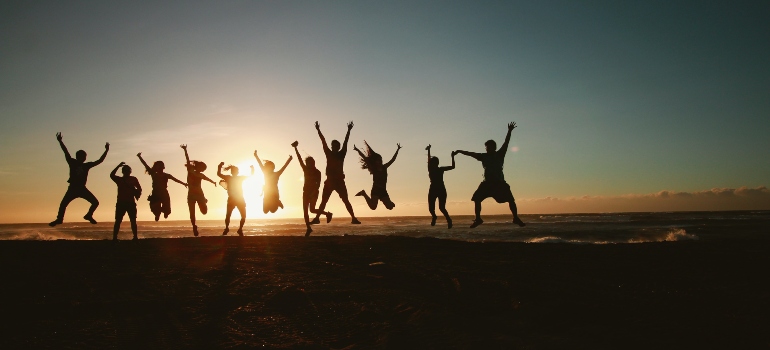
[604, 228]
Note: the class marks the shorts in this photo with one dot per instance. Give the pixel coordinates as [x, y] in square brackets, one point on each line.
[194, 197]
[499, 190]
[122, 208]
[381, 193]
[437, 191]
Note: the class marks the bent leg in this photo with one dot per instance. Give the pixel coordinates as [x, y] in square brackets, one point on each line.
[242, 210]
[326, 193]
[87, 195]
[69, 196]
[514, 211]
[343, 193]
[442, 207]
[191, 207]
[370, 201]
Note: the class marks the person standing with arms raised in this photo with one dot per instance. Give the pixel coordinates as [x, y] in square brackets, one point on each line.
[494, 184]
[335, 175]
[129, 191]
[78, 177]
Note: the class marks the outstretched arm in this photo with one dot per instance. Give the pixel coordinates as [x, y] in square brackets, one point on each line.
[453, 163]
[206, 178]
[259, 161]
[474, 155]
[146, 167]
[321, 135]
[504, 147]
[104, 155]
[177, 180]
[347, 136]
[428, 149]
[394, 156]
[284, 166]
[63, 147]
[299, 157]
[359, 151]
[219, 170]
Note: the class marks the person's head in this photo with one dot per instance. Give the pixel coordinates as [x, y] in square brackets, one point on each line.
[233, 169]
[80, 156]
[491, 146]
[310, 161]
[335, 145]
[198, 166]
[126, 170]
[158, 166]
[433, 162]
[270, 166]
[372, 160]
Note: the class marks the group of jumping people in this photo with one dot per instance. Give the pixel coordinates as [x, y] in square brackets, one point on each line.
[129, 189]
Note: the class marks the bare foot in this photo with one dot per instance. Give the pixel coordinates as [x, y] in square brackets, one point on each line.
[518, 221]
[433, 220]
[355, 221]
[307, 233]
[328, 217]
[316, 221]
[195, 230]
[476, 223]
[224, 233]
[449, 223]
[361, 193]
[240, 232]
[55, 222]
[90, 219]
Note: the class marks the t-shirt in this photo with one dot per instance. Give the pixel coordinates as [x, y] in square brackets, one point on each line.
[159, 181]
[335, 163]
[193, 182]
[127, 187]
[79, 172]
[493, 165]
[380, 178]
[235, 186]
[436, 176]
[312, 179]
[271, 180]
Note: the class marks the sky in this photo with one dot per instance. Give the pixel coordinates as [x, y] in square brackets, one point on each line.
[620, 106]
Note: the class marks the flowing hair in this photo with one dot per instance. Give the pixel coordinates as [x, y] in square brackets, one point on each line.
[369, 159]
[157, 167]
[230, 167]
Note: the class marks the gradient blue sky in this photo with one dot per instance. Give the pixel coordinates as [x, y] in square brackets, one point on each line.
[613, 99]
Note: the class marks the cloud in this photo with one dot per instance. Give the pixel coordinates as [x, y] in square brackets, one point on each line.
[742, 198]
[169, 139]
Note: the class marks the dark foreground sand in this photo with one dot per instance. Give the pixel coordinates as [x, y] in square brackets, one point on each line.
[383, 292]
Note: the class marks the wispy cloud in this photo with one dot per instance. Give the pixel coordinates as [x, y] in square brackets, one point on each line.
[168, 140]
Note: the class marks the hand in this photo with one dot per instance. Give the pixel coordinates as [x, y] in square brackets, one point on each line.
[350, 125]
[290, 157]
[139, 154]
[58, 136]
[427, 148]
[295, 144]
[255, 153]
[184, 147]
[355, 148]
[221, 164]
[317, 126]
[511, 126]
[185, 185]
[399, 146]
[454, 153]
[107, 146]
[121, 164]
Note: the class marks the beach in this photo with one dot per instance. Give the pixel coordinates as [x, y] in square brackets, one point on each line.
[359, 292]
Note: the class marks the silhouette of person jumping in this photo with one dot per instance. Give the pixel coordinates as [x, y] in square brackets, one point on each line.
[310, 190]
[77, 180]
[372, 161]
[335, 175]
[195, 194]
[129, 191]
[160, 201]
[271, 199]
[437, 189]
[234, 186]
[494, 184]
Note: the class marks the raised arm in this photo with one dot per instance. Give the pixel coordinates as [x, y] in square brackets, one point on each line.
[394, 156]
[474, 155]
[176, 180]
[104, 155]
[259, 161]
[186, 156]
[504, 147]
[146, 167]
[321, 135]
[299, 157]
[63, 147]
[219, 170]
[359, 151]
[113, 174]
[453, 163]
[428, 149]
[284, 166]
[347, 136]
[202, 176]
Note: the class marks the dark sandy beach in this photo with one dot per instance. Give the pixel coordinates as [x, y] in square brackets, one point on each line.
[383, 292]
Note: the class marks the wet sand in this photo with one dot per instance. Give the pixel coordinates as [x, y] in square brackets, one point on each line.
[383, 292]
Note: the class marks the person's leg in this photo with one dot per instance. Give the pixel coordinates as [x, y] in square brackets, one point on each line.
[119, 211]
[242, 210]
[342, 191]
[132, 217]
[166, 205]
[442, 207]
[326, 193]
[514, 211]
[203, 206]
[432, 208]
[69, 196]
[228, 212]
[385, 199]
[305, 205]
[155, 206]
[370, 201]
[191, 208]
[477, 209]
[87, 195]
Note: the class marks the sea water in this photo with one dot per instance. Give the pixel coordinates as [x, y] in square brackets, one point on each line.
[607, 228]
